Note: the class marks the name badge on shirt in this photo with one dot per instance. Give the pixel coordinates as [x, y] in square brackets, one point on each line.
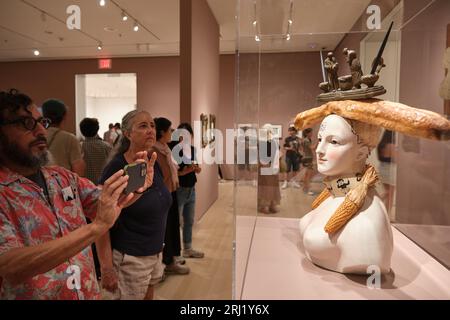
[68, 194]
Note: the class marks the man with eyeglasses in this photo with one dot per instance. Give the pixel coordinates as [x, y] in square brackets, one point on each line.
[44, 239]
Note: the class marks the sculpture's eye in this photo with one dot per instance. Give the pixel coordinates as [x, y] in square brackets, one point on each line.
[319, 139]
[334, 142]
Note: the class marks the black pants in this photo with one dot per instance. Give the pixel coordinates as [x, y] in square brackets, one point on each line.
[172, 237]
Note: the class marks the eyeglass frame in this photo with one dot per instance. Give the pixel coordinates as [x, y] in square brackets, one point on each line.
[22, 120]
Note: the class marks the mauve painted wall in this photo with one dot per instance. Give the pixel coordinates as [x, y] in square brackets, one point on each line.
[273, 88]
[157, 82]
[423, 178]
[205, 68]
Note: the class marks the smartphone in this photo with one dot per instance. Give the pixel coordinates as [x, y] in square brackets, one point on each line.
[137, 173]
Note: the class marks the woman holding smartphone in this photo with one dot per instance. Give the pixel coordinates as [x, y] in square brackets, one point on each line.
[131, 254]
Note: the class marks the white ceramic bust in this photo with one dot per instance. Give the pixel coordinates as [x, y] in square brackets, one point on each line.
[366, 239]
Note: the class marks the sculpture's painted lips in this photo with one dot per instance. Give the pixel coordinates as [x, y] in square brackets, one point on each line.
[321, 160]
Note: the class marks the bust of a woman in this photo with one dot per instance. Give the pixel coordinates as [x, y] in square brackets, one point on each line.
[349, 229]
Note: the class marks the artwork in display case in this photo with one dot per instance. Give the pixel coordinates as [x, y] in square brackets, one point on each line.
[349, 207]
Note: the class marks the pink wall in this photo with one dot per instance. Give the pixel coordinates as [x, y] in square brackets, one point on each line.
[273, 88]
[157, 82]
[200, 83]
[423, 179]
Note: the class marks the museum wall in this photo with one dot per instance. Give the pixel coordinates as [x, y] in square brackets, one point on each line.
[157, 82]
[288, 84]
[205, 70]
[423, 179]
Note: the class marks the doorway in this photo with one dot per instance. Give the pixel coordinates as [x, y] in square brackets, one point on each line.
[106, 97]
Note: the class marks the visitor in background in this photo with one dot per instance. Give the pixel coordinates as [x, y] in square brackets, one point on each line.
[387, 168]
[188, 169]
[269, 195]
[95, 151]
[110, 136]
[63, 146]
[307, 160]
[292, 145]
[169, 168]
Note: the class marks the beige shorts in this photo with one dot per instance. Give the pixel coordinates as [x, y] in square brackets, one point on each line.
[136, 274]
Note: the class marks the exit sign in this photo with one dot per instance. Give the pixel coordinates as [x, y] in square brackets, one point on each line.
[105, 64]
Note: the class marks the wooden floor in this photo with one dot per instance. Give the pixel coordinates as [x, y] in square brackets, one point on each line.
[211, 277]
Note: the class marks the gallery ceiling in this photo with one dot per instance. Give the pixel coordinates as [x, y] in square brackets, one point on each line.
[29, 25]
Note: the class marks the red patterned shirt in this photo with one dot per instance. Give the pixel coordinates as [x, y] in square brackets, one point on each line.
[28, 218]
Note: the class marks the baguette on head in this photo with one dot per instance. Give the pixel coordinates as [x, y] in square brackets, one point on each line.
[389, 115]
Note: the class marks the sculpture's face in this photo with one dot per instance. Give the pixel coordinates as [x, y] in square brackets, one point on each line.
[338, 151]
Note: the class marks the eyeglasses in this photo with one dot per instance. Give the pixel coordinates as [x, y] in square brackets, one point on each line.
[29, 123]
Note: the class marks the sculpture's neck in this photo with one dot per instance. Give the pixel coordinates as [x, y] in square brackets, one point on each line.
[340, 186]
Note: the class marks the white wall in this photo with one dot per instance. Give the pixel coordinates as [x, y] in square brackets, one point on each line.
[107, 97]
[108, 110]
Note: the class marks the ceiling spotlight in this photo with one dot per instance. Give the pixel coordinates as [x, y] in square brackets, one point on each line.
[124, 16]
[254, 22]
[100, 46]
[136, 26]
[257, 39]
[102, 3]
[288, 37]
[36, 52]
[290, 21]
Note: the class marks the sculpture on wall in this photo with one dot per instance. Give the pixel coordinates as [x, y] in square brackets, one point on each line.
[348, 229]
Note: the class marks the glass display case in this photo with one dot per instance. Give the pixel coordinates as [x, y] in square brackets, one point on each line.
[280, 63]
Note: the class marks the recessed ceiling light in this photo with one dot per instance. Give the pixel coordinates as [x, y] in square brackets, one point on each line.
[254, 22]
[136, 27]
[102, 3]
[257, 39]
[288, 37]
[100, 46]
[124, 16]
[36, 52]
[290, 21]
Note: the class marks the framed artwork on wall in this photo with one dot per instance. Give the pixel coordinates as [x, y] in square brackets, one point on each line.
[204, 121]
[277, 131]
[212, 126]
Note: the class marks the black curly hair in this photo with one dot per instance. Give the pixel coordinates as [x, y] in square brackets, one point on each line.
[11, 102]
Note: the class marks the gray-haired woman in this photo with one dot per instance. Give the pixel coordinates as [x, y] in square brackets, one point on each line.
[134, 263]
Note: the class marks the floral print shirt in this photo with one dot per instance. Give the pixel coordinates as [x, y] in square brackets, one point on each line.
[29, 218]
